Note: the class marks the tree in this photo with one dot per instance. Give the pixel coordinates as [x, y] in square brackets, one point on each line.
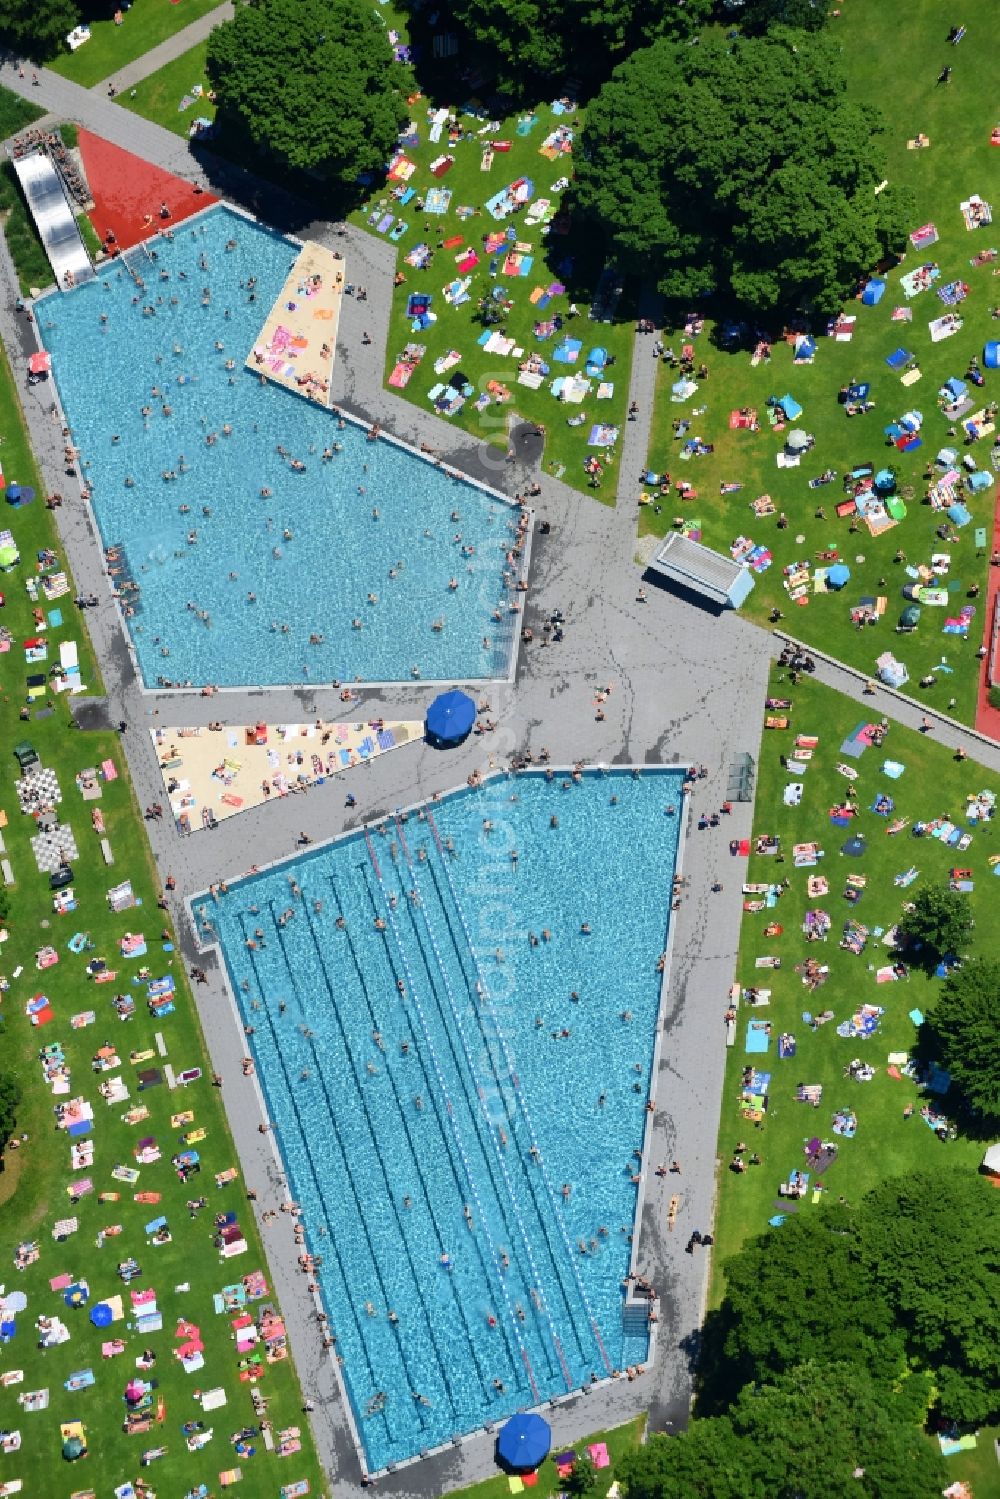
[740, 167]
[38, 28]
[767, 1331]
[311, 83]
[10, 1097]
[947, 1304]
[817, 1429]
[582, 1478]
[529, 40]
[759, 16]
[938, 920]
[966, 1021]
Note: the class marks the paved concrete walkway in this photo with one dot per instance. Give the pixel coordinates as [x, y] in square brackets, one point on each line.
[158, 57]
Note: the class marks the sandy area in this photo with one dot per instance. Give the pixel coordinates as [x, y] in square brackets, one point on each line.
[298, 342]
[215, 773]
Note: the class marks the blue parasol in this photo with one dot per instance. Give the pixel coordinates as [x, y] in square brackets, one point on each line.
[524, 1442]
[450, 717]
[100, 1315]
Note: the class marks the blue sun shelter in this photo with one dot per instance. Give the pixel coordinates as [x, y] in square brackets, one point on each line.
[450, 718]
[790, 407]
[524, 1442]
[838, 576]
[991, 354]
[873, 292]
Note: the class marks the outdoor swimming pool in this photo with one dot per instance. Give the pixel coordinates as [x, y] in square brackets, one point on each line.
[433, 1100]
[368, 535]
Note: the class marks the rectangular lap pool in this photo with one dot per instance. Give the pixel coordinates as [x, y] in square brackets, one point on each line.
[269, 542]
[453, 1019]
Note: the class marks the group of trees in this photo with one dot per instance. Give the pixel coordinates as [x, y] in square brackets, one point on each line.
[310, 83]
[836, 1338]
[740, 169]
[10, 1097]
[964, 1020]
[37, 28]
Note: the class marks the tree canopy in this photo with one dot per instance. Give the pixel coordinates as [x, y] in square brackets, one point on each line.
[311, 83]
[939, 920]
[820, 1428]
[966, 1022]
[759, 16]
[10, 1097]
[529, 40]
[38, 28]
[947, 1303]
[740, 167]
[769, 1331]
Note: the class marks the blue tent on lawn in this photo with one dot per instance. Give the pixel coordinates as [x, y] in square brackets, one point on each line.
[991, 354]
[873, 292]
[790, 407]
[524, 1442]
[450, 717]
[596, 360]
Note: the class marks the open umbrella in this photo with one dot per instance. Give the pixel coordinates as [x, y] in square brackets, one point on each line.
[100, 1315]
[910, 617]
[134, 1391]
[855, 847]
[797, 440]
[450, 717]
[524, 1442]
[40, 363]
[72, 1449]
[838, 575]
[9, 556]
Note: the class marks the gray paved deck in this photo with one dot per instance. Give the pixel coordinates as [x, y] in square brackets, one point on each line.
[688, 688]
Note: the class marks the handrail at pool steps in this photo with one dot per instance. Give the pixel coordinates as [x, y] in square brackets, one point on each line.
[484, 994]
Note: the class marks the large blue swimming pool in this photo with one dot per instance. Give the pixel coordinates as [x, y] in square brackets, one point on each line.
[373, 520]
[459, 1090]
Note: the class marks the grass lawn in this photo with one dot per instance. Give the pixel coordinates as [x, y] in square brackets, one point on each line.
[157, 97]
[958, 120]
[30, 260]
[561, 254]
[621, 1439]
[146, 24]
[886, 1143]
[36, 1178]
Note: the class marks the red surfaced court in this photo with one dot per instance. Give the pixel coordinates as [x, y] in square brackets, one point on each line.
[129, 193]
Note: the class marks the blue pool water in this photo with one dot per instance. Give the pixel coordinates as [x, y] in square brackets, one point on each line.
[397, 1109]
[318, 581]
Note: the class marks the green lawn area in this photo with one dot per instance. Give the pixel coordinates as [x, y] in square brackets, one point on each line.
[35, 1179]
[30, 259]
[886, 1143]
[157, 97]
[146, 24]
[619, 1440]
[552, 247]
[958, 120]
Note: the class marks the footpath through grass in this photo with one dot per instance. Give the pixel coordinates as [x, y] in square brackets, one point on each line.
[145, 24]
[159, 97]
[959, 162]
[123, 1176]
[886, 1141]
